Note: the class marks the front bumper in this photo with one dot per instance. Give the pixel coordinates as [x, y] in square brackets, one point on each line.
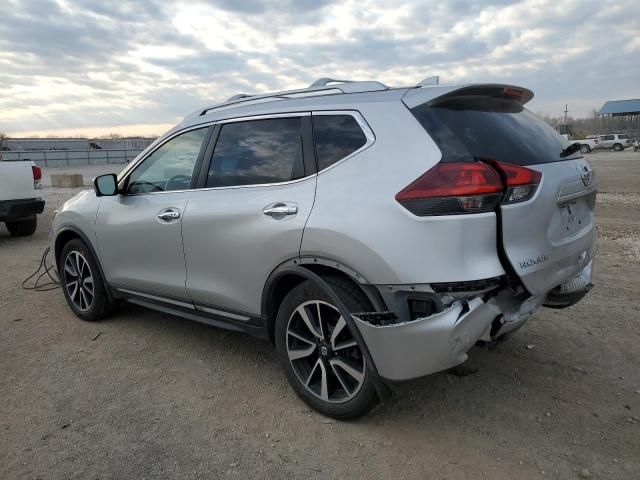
[17, 209]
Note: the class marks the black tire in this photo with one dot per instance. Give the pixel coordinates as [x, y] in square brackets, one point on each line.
[100, 305]
[617, 147]
[22, 228]
[365, 397]
[585, 149]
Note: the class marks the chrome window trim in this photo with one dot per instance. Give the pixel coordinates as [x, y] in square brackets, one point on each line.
[265, 116]
[366, 129]
[254, 185]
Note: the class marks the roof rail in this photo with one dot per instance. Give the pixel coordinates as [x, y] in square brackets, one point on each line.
[434, 80]
[324, 81]
[239, 96]
[319, 87]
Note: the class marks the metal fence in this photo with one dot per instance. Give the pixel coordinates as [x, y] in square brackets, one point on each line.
[63, 158]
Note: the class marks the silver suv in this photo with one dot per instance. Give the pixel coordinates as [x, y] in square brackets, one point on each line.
[372, 234]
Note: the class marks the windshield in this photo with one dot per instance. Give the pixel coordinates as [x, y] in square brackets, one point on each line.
[468, 127]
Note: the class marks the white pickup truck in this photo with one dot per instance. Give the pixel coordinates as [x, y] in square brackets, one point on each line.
[20, 196]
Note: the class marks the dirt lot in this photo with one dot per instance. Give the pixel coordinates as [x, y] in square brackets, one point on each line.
[154, 396]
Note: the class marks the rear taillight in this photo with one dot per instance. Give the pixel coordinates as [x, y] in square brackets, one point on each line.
[521, 183]
[452, 189]
[37, 176]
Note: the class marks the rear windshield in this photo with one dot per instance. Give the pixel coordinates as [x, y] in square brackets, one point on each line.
[474, 127]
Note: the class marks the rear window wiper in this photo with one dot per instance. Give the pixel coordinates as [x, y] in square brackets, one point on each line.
[573, 148]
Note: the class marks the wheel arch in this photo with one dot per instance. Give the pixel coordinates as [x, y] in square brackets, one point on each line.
[64, 236]
[295, 274]
[288, 275]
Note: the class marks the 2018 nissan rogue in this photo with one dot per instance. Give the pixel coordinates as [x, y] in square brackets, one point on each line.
[373, 234]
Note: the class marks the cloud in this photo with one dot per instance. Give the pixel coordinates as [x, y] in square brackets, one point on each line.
[85, 64]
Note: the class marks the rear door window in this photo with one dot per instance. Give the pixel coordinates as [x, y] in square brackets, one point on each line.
[257, 152]
[473, 127]
[336, 137]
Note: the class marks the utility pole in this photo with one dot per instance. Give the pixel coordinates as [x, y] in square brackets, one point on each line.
[565, 113]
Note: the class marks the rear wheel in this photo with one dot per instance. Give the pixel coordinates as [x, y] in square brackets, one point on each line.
[322, 360]
[22, 228]
[585, 149]
[617, 147]
[82, 284]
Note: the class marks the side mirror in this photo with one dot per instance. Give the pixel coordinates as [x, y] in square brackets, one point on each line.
[106, 185]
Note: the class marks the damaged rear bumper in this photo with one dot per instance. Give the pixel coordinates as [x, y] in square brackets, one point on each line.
[572, 291]
[412, 349]
[405, 349]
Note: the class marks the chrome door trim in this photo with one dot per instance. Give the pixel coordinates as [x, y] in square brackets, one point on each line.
[157, 298]
[222, 313]
[288, 182]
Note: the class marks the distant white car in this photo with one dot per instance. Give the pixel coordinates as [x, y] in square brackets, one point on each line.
[615, 141]
[20, 196]
[588, 144]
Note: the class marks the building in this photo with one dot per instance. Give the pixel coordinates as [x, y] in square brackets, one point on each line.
[620, 116]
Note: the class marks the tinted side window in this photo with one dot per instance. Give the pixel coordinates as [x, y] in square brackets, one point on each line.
[170, 167]
[257, 152]
[336, 136]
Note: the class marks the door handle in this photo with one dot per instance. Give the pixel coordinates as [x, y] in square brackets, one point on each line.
[169, 214]
[280, 210]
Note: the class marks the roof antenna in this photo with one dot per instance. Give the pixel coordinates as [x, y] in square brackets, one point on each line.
[435, 80]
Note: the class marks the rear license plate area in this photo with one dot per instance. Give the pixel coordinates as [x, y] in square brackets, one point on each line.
[571, 216]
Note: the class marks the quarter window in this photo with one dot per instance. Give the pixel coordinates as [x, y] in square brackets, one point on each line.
[257, 152]
[170, 167]
[336, 136]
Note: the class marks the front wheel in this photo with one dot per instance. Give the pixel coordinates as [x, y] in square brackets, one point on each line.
[321, 358]
[585, 149]
[617, 147]
[22, 228]
[82, 283]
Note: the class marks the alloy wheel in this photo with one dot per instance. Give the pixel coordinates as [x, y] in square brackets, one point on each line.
[323, 353]
[78, 281]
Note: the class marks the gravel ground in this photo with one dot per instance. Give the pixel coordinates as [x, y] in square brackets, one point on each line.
[147, 395]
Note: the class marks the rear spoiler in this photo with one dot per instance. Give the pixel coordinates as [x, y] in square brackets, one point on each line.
[435, 94]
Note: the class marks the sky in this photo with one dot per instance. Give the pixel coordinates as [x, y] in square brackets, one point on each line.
[89, 67]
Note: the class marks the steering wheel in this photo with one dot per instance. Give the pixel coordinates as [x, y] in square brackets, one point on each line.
[139, 183]
[181, 182]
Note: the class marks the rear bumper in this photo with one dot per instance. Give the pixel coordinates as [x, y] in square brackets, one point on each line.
[17, 209]
[413, 348]
[416, 348]
[572, 291]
